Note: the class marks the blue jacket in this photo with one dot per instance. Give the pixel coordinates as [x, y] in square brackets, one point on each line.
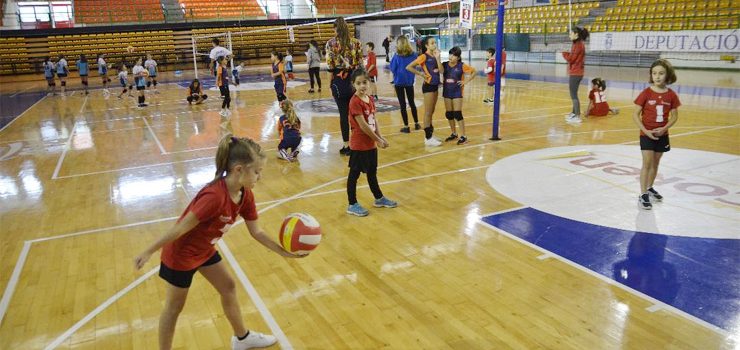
[402, 77]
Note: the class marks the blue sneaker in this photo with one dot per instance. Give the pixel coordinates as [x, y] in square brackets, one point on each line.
[385, 202]
[357, 209]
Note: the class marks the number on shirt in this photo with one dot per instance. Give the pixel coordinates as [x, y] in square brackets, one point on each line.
[599, 97]
[659, 113]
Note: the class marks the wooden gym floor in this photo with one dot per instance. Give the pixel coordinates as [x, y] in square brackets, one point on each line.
[87, 182]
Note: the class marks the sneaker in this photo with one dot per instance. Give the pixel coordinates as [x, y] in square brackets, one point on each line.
[253, 340]
[417, 126]
[487, 100]
[463, 140]
[432, 142]
[569, 116]
[451, 137]
[222, 113]
[405, 130]
[383, 202]
[294, 154]
[574, 119]
[310, 91]
[144, 104]
[643, 201]
[615, 110]
[344, 151]
[283, 154]
[357, 210]
[654, 194]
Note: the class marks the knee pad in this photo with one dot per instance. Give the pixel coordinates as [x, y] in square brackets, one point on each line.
[64, 83]
[155, 82]
[148, 83]
[204, 96]
[51, 84]
[450, 115]
[190, 98]
[458, 115]
[84, 83]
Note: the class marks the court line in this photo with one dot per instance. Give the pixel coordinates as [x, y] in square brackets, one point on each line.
[156, 139]
[254, 295]
[68, 144]
[58, 341]
[607, 280]
[24, 112]
[13, 282]
[80, 233]
[21, 91]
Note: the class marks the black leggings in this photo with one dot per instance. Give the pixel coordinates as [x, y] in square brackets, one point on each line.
[226, 94]
[343, 106]
[314, 72]
[409, 91]
[573, 83]
[372, 181]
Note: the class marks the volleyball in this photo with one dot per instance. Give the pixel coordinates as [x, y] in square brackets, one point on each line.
[300, 233]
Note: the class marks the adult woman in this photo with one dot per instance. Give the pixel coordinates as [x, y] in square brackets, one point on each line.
[343, 56]
[313, 57]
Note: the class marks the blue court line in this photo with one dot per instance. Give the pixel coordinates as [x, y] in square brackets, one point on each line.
[700, 276]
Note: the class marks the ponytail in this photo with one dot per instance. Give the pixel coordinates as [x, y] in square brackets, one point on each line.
[235, 150]
[287, 108]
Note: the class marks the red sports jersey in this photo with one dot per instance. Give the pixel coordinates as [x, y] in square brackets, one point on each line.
[598, 98]
[216, 212]
[358, 140]
[492, 65]
[656, 107]
[371, 61]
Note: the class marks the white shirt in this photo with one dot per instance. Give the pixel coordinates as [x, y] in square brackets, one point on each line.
[150, 63]
[137, 69]
[239, 68]
[101, 61]
[219, 51]
[122, 75]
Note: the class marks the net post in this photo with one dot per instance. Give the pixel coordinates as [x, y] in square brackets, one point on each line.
[195, 56]
[499, 54]
[231, 49]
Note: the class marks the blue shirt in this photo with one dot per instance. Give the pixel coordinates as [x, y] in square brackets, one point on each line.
[82, 67]
[402, 77]
[49, 69]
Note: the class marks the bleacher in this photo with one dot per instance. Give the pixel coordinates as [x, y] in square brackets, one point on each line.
[395, 4]
[662, 15]
[15, 56]
[109, 11]
[340, 7]
[204, 9]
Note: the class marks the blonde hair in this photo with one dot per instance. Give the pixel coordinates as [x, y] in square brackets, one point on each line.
[235, 150]
[287, 108]
[403, 47]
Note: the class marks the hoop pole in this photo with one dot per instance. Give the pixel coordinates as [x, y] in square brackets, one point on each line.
[499, 55]
[195, 56]
[228, 37]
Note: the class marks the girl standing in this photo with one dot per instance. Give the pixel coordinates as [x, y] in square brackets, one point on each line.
[454, 73]
[103, 72]
[140, 74]
[151, 66]
[83, 69]
[431, 66]
[222, 80]
[188, 247]
[62, 72]
[278, 73]
[364, 155]
[403, 81]
[314, 64]
[343, 56]
[657, 111]
[575, 59]
[49, 70]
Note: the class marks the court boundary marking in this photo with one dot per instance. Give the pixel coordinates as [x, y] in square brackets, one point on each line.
[10, 288]
[24, 112]
[657, 305]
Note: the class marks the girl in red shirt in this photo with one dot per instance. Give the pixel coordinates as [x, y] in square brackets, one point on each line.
[597, 105]
[575, 59]
[363, 156]
[657, 111]
[188, 247]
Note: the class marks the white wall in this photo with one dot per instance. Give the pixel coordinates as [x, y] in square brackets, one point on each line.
[377, 30]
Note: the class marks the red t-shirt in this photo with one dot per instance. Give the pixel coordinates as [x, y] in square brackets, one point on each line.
[492, 64]
[371, 61]
[598, 98]
[656, 107]
[216, 212]
[576, 58]
[358, 140]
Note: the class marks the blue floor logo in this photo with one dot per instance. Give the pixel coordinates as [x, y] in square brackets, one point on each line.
[328, 107]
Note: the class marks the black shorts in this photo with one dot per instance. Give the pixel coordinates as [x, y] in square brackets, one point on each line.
[62, 75]
[429, 88]
[139, 88]
[364, 161]
[83, 75]
[183, 279]
[662, 144]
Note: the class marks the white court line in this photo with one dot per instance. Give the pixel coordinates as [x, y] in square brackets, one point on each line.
[43, 239]
[609, 281]
[133, 168]
[68, 144]
[254, 295]
[13, 282]
[58, 341]
[21, 91]
[156, 139]
[24, 112]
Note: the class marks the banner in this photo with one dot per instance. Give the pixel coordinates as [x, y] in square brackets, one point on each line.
[675, 41]
[466, 14]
